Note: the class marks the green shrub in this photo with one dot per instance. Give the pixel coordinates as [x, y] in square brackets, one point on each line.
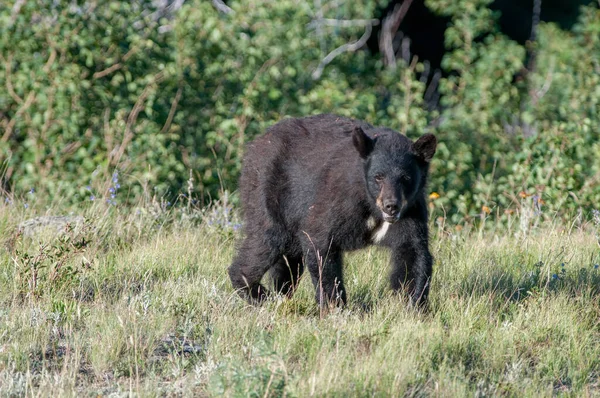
[156, 92]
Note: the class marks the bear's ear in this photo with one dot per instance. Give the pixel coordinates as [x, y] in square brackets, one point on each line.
[425, 146]
[362, 142]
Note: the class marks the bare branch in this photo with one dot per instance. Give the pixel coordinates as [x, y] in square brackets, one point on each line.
[222, 7]
[342, 23]
[133, 115]
[537, 95]
[172, 110]
[319, 26]
[425, 73]
[107, 71]
[51, 60]
[531, 55]
[405, 46]
[432, 88]
[9, 128]
[15, 11]
[115, 67]
[391, 24]
[408, 91]
[9, 86]
[535, 19]
[348, 47]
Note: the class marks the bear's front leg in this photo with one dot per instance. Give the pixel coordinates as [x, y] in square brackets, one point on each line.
[325, 267]
[412, 265]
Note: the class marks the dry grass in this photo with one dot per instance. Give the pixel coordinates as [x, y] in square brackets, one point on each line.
[144, 307]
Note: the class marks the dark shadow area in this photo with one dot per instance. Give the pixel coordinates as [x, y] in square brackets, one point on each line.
[515, 17]
[424, 28]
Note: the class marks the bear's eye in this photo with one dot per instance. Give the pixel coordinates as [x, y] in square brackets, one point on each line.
[379, 177]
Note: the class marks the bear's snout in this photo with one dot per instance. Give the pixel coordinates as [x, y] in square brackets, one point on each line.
[390, 201]
[390, 210]
[390, 206]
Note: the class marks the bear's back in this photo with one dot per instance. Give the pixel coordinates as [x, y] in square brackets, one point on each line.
[284, 168]
[304, 143]
[303, 137]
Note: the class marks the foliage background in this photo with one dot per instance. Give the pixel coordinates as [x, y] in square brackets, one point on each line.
[114, 110]
[167, 95]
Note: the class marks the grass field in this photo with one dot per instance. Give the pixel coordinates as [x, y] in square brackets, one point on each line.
[138, 302]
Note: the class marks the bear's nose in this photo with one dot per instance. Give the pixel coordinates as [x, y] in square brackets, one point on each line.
[390, 206]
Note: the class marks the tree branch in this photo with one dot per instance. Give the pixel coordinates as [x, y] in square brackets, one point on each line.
[172, 110]
[9, 128]
[391, 24]
[222, 7]
[107, 71]
[342, 23]
[9, 86]
[15, 11]
[348, 47]
[117, 66]
[132, 118]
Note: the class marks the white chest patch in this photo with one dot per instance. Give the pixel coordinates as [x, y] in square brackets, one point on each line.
[379, 233]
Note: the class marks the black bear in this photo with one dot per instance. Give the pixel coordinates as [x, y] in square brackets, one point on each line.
[312, 188]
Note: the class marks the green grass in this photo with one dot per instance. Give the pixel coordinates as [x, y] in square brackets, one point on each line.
[147, 309]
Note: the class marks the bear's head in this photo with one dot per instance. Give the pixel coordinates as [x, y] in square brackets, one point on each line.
[395, 168]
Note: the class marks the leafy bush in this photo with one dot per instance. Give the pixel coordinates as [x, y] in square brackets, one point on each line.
[156, 91]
